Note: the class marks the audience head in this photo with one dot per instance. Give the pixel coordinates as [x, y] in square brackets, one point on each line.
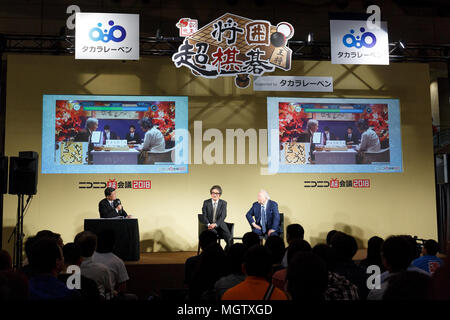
[297, 246]
[294, 231]
[330, 235]
[408, 285]
[72, 254]
[327, 254]
[106, 241]
[257, 262]
[13, 286]
[235, 257]
[307, 277]
[396, 253]
[50, 234]
[276, 247]
[207, 238]
[28, 244]
[374, 250]
[344, 245]
[5, 261]
[415, 249]
[250, 239]
[87, 242]
[46, 257]
[430, 247]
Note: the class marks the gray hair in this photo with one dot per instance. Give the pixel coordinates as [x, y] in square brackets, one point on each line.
[311, 123]
[90, 122]
[265, 193]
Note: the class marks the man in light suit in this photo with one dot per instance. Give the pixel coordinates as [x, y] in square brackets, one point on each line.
[214, 212]
[263, 216]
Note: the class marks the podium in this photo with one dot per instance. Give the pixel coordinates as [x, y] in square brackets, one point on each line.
[126, 232]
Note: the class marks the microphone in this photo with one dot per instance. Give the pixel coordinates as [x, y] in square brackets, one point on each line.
[116, 203]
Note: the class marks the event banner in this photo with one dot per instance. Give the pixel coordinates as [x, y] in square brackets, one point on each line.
[106, 36]
[232, 45]
[318, 135]
[114, 134]
[352, 42]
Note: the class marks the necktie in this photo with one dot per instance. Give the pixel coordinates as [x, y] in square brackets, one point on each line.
[214, 211]
[263, 219]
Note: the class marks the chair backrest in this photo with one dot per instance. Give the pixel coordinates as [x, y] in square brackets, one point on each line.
[163, 156]
[201, 224]
[379, 156]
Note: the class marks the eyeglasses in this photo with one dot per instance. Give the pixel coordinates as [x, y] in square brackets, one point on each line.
[216, 193]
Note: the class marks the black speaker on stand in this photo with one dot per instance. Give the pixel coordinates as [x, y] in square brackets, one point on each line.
[23, 176]
[3, 190]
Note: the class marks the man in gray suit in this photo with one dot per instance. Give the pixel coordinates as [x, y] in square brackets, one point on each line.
[214, 212]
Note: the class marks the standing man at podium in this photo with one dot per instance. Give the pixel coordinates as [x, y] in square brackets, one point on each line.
[214, 212]
[264, 217]
[111, 207]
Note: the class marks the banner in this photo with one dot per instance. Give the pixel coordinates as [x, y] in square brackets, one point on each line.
[353, 43]
[234, 46]
[106, 36]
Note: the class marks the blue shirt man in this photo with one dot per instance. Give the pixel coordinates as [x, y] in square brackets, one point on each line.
[263, 216]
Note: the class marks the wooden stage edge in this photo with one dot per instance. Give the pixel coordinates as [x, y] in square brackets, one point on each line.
[181, 256]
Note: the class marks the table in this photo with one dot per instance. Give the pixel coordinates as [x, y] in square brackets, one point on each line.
[126, 232]
[335, 157]
[115, 157]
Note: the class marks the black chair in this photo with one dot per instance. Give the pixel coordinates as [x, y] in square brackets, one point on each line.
[202, 227]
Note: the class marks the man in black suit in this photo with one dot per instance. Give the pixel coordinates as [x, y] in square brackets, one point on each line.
[111, 207]
[214, 212]
[108, 134]
[350, 137]
[132, 136]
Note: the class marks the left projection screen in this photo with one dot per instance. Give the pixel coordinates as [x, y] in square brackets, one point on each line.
[114, 134]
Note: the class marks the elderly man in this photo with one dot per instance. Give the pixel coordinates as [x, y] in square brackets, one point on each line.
[263, 216]
[85, 134]
[312, 126]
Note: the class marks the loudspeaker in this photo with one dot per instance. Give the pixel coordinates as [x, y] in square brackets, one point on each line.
[3, 175]
[23, 174]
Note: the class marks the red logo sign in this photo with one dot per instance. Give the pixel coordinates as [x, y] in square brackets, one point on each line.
[112, 183]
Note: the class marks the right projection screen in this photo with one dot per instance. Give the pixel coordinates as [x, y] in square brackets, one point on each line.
[320, 135]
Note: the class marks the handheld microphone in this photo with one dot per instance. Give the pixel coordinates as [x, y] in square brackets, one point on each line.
[116, 203]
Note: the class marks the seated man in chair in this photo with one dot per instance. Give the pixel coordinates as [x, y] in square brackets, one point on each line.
[264, 217]
[214, 212]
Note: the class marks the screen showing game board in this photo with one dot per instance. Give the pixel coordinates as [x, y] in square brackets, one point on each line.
[334, 135]
[114, 134]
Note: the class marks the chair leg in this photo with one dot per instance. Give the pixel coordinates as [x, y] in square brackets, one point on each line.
[198, 249]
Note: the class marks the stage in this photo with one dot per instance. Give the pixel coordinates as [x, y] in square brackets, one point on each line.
[155, 271]
[165, 270]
